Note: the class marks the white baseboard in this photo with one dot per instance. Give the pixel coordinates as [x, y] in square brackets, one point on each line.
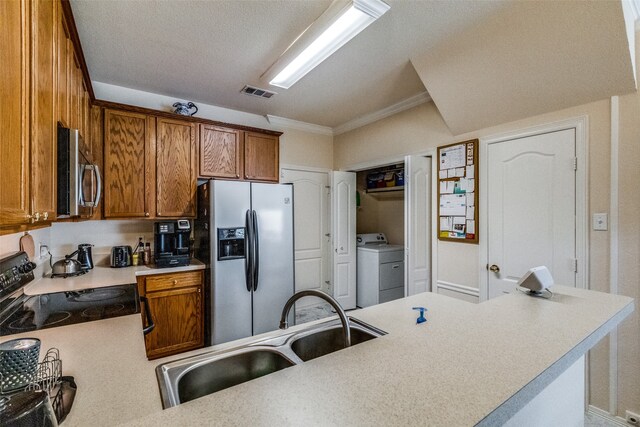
[604, 415]
[464, 292]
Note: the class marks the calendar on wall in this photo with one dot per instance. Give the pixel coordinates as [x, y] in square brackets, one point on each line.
[458, 192]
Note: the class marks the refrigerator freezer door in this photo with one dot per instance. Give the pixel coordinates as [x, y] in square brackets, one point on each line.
[273, 204]
[230, 300]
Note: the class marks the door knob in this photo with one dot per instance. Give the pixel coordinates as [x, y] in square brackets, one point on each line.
[495, 268]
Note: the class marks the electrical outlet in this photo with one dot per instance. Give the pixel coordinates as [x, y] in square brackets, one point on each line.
[600, 221]
[43, 250]
[632, 418]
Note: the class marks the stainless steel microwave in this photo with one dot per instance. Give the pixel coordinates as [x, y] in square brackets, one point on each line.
[79, 182]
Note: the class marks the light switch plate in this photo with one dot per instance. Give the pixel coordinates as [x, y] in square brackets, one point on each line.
[600, 221]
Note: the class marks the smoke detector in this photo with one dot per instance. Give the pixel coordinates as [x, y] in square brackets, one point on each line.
[255, 91]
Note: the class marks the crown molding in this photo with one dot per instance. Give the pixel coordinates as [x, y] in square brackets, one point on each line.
[283, 122]
[414, 101]
[406, 104]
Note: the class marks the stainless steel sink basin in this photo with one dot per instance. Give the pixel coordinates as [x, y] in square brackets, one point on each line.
[325, 341]
[218, 374]
[196, 376]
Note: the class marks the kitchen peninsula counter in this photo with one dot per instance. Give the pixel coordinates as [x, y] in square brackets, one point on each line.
[469, 364]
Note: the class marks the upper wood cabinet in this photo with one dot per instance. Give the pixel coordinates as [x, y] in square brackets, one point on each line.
[261, 157]
[129, 175]
[220, 152]
[96, 137]
[150, 166]
[43, 114]
[234, 154]
[176, 168]
[62, 47]
[14, 111]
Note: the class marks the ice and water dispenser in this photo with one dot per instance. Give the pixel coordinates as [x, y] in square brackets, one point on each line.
[231, 243]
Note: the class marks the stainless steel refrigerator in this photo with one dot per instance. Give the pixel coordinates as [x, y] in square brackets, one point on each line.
[244, 233]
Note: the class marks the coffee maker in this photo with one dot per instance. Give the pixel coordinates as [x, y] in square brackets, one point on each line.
[172, 243]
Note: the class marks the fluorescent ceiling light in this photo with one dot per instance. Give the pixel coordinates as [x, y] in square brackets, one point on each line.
[355, 16]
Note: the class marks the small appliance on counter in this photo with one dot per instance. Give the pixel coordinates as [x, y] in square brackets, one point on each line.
[121, 256]
[84, 256]
[69, 267]
[172, 243]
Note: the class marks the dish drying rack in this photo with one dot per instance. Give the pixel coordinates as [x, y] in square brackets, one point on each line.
[47, 377]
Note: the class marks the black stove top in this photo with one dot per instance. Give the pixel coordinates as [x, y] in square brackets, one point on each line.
[23, 313]
[66, 308]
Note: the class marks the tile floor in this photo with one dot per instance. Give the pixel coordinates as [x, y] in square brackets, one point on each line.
[313, 312]
[591, 420]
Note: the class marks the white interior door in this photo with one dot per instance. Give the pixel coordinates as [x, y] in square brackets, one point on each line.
[417, 224]
[311, 225]
[343, 237]
[531, 209]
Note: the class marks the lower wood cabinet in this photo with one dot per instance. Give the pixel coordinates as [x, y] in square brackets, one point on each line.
[172, 312]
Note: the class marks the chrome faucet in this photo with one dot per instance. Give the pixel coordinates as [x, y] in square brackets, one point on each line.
[328, 298]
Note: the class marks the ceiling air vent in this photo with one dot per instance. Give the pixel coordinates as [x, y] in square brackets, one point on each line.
[254, 91]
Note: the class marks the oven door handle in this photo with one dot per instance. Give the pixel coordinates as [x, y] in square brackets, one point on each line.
[147, 311]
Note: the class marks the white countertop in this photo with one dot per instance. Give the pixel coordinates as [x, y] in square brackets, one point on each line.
[468, 364]
[101, 276]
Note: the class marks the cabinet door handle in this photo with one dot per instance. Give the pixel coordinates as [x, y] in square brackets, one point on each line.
[146, 214]
[395, 266]
[147, 311]
[45, 215]
[175, 282]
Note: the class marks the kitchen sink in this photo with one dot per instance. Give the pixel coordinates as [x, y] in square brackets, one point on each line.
[325, 341]
[218, 374]
[186, 379]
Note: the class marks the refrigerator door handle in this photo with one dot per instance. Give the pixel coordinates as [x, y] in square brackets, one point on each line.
[256, 251]
[248, 267]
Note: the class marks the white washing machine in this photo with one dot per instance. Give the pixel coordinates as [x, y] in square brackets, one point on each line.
[380, 270]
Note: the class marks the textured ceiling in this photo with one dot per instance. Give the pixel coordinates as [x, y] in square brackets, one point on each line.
[206, 51]
[481, 61]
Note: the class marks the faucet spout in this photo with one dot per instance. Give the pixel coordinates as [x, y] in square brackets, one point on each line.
[328, 298]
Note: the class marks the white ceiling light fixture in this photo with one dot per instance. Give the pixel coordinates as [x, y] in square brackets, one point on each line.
[341, 22]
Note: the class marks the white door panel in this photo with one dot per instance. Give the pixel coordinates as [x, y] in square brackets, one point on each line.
[343, 201]
[311, 224]
[531, 208]
[417, 224]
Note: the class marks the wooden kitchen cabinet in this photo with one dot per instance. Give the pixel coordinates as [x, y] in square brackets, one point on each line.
[96, 138]
[62, 49]
[221, 152]
[43, 114]
[15, 111]
[176, 168]
[129, 172]
[234, 154]
[28, 149]
[175, 304]
[261, 157]
[150, 166]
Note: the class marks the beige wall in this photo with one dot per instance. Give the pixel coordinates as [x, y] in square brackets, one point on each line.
[629, 249]
[298, 148]
[421, 129]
